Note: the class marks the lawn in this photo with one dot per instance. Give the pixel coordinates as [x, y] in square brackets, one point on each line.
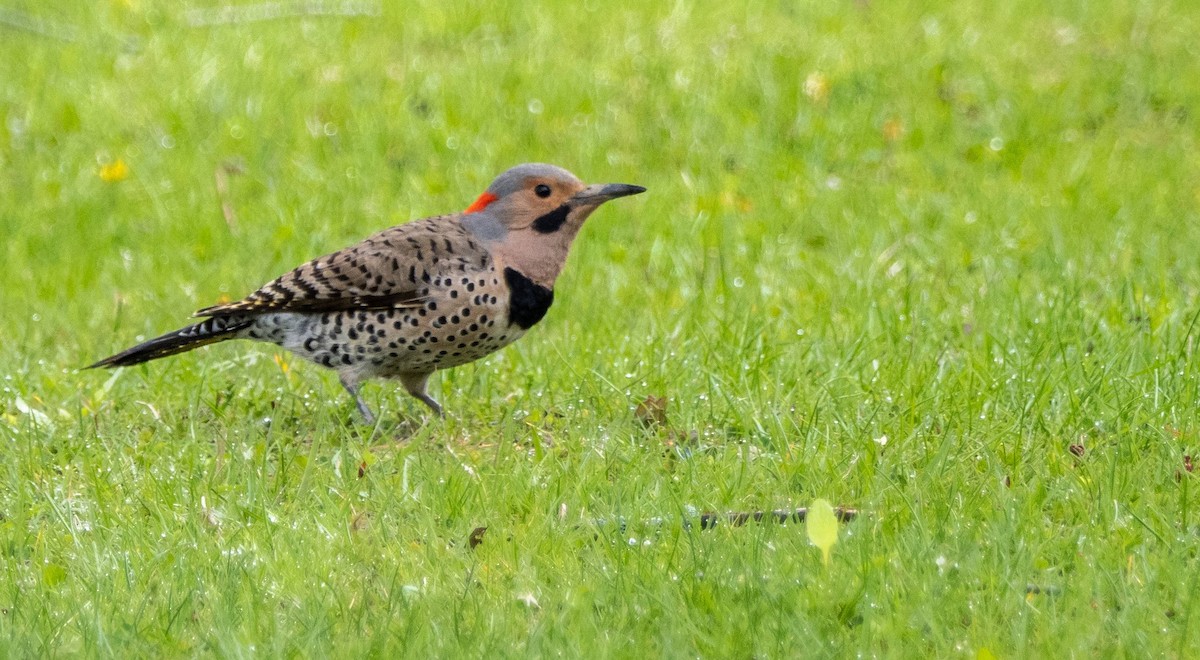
[939, 265]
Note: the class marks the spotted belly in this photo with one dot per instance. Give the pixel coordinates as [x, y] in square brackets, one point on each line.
[442, 333]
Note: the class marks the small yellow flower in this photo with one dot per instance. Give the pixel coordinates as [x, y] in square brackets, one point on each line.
[816, 86]
[893, 129]
[114, 171]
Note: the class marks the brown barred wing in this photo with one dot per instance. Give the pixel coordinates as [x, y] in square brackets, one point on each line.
[390, 270]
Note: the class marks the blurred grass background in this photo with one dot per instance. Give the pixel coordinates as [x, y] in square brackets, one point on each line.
[937, 262]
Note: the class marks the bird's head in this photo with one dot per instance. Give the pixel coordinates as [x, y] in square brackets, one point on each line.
[531, 213]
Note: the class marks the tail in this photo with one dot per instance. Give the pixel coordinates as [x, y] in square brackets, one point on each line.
[208, 331]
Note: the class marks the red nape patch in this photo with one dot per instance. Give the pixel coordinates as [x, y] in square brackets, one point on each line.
[482, 203]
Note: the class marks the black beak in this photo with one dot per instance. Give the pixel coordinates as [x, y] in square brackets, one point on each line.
[602, 192]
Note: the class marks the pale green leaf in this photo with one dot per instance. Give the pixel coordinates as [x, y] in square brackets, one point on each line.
[822, 527]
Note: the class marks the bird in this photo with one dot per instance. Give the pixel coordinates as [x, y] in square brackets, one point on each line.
[416, 298]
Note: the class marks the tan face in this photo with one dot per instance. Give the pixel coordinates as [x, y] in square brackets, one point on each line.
[549, 193]
[547, 202]
[530, 215]
[542, 199]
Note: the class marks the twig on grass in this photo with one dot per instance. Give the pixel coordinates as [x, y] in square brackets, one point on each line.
[707, 520]
[222, 174]
[781, 516]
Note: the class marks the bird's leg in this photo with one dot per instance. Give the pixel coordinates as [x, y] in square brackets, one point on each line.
[429, 401]
[415, 384]
[352, 387]
[368, 416]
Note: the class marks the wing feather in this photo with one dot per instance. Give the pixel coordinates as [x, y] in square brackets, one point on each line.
[390, 270]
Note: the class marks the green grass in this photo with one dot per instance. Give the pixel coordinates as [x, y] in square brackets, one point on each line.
[898, 259]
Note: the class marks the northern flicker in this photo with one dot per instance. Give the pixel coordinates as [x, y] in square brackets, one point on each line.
[426, 295]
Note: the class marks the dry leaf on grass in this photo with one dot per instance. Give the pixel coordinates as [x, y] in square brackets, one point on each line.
[652, 412]
[476, 537]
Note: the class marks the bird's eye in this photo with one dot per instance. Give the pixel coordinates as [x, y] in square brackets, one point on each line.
[542, 190]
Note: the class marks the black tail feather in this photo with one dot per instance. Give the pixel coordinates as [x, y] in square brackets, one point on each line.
[208, 331]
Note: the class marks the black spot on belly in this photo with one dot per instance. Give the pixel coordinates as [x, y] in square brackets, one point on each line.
[527, 301]
[550, 223]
